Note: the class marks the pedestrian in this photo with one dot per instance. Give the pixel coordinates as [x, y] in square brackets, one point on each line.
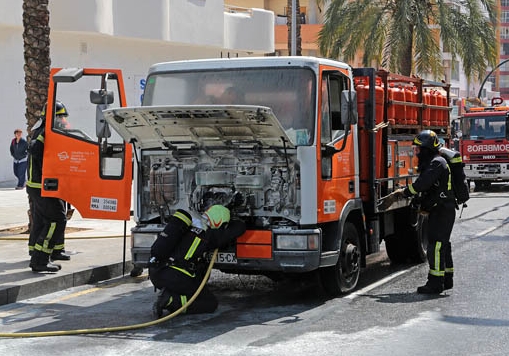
[19, 153]
[46, 240]
[434, 191]
[178, 258]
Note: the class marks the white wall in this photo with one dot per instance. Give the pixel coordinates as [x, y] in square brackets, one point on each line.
[83, 35]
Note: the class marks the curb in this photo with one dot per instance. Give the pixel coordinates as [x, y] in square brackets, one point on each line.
[14, 293]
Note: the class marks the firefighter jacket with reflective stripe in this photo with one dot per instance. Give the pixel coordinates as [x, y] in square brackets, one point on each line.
[434, 184]
[184, 251]
[35, 156]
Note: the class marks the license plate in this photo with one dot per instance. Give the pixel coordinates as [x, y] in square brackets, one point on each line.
[226, 257]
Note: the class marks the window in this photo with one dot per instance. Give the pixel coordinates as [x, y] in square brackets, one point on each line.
[504, 17]
[504, 32]
[505, 49]
[504, 3]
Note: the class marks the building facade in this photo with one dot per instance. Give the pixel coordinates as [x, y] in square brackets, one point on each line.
[127, 34]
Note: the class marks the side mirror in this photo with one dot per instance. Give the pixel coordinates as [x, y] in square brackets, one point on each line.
[102, 129]
[349, 113]
[101, 96]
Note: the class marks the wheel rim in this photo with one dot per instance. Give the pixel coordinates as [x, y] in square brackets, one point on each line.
[350, 263]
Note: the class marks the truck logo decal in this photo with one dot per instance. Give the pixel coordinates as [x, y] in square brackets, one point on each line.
[488, 148]
[329, 206]
[103, 204]
[63, 156]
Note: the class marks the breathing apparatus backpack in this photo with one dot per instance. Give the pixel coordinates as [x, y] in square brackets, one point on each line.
[459, 182]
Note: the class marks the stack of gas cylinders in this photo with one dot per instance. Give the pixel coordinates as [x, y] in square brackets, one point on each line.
[401, 96]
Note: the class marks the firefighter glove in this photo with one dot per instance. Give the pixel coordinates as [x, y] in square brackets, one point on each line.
[390, 199]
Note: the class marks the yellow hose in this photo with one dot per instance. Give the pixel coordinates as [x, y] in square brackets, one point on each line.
[125, 327]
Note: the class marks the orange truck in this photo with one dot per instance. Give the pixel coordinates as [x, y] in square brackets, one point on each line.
[301, 148]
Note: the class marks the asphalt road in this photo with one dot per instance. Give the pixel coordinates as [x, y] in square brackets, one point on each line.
[258, 316]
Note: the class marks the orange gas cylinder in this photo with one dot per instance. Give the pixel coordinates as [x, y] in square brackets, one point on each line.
[362, 94]
[444, 117]
[426, 98]
[391, 116]
[380, 100]
[399, 110]
[411, 111]
[435, 117]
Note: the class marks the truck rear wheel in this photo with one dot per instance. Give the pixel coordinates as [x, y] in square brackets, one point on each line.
[343, 277]
[409, 243]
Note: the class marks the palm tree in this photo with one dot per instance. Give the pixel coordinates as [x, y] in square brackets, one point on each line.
[37, 63]
[289, 14]
[36, 42]
[404, 35]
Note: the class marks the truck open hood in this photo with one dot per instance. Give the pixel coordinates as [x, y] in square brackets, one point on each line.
[199, 126]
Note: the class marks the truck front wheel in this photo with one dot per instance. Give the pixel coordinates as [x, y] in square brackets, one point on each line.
[343, 277]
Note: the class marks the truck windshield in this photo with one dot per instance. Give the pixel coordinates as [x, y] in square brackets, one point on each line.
[484, 127]
[289, 92]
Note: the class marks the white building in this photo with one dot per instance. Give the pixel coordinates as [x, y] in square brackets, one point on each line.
[126, 34]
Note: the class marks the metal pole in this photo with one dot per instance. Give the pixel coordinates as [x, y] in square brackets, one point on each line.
[486, 78]
[294, 28]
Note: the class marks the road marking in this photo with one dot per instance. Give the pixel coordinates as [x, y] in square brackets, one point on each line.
[374, 285]
[487, 231]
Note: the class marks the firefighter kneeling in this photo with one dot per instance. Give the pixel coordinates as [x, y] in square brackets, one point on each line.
[177, 264]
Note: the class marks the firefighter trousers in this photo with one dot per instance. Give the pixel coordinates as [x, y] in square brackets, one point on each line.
[440, 224]
[48, 222]
[180, 287]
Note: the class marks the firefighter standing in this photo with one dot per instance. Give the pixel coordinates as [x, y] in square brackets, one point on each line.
[48, 214]
[437, 201]
[177, 265]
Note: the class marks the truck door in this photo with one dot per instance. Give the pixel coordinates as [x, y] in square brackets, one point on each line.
[85, 163]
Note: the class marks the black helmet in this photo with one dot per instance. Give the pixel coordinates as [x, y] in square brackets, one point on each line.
[60, 109]
[428, 139]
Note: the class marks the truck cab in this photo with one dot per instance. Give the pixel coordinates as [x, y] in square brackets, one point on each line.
[302, 149]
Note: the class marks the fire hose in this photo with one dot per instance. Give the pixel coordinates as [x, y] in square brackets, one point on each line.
[120, 328]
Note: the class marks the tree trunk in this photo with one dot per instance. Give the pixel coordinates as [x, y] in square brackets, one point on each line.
[289, 13]
[36, 43]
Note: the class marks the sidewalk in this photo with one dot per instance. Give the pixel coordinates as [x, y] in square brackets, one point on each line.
[96, 248]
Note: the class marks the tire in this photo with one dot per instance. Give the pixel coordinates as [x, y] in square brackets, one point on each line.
[409, 243]
[343, 277]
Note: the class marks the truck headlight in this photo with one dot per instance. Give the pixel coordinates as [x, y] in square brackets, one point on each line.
[297, 242]
[143, 239]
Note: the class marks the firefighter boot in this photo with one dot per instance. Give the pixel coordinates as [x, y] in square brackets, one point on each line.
[434, 285]
[164, 301]
[60, 255]
[39, 262]
[448, 281]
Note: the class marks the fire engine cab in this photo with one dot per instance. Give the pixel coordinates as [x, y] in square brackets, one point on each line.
[484, 145]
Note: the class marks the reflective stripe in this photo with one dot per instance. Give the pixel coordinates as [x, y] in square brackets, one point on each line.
[193, 248]
[44, 248]
[29, 180]
[449, 270]
[169, 302]
[411, 189]
[59, 247]
[435, 271]
[182, 217]
[183, 301]
[183, 271]
[456, 160]
[449, 181]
